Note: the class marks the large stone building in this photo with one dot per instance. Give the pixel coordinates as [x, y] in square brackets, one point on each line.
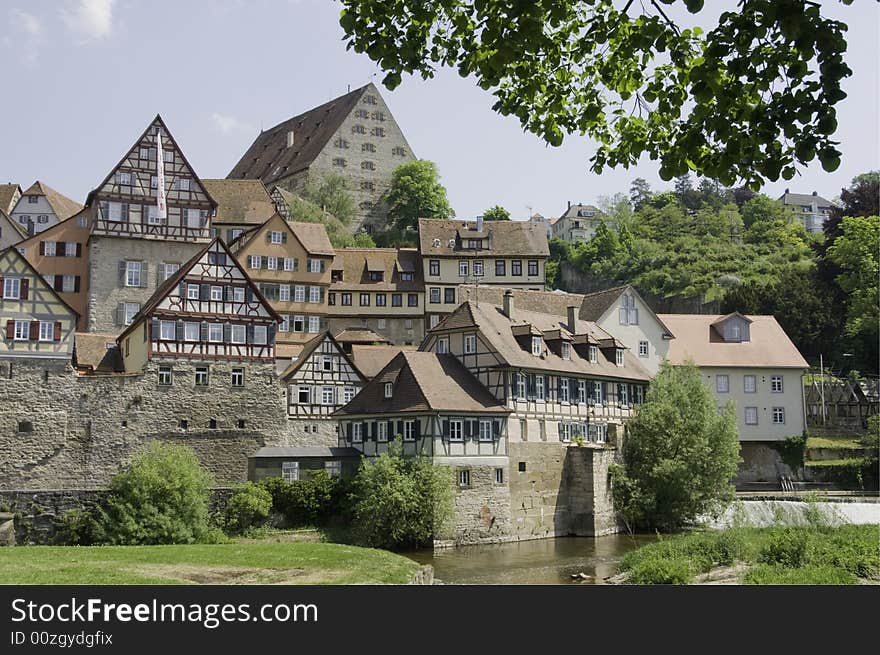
[41, 207]
[380, 289]
[510, 254]
[811, 210]
[354, 135]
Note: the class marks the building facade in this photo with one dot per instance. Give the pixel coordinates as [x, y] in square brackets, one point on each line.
[811, 210]
[380, 289]
[509, 254]
[578, 223]
[354, 135]
[40, 207]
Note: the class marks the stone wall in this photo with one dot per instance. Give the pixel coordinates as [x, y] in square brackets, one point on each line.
[62, 430]
[761, 463]
[319, 431]
[482, 509]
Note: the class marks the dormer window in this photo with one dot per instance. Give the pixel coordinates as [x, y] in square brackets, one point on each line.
[618, 353]
[566, 350]
[389, 389]
[537, 344]
[735, 332]
[475, 244]
[377, 276]
[407, 276]
[594, 354]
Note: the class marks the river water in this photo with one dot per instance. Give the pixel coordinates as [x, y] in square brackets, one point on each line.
[540, 561]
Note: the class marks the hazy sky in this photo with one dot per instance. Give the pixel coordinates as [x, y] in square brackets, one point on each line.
[84, 77]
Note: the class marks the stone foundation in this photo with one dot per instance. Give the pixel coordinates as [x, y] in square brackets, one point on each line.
[761, 464]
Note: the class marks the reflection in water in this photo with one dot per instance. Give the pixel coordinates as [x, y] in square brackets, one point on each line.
[542, 561]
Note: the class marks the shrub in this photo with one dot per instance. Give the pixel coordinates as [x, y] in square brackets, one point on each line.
[161, 497]
[786, 547]
[808, 575]
[248, 507]
[660, 570]
[400, 501]
[79, 527]
[314, 500]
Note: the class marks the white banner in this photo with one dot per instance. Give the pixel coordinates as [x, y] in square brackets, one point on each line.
[161, 209]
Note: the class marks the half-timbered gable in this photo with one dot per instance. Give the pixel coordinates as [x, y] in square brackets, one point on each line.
[209, 309]
[290, 262]
[563, 379]
[36, 321]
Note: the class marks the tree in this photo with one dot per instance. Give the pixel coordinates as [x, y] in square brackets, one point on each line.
[639, 193]
[751, 98]
[161, 497]
[416, 193]
[496, 213]
[679, 454]
[306, 211]
[400, 501]
[330, 193]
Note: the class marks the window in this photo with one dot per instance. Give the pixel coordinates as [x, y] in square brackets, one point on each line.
[409, 430]
[533, 267]
[381, 300]
[237, 379]
[315, 265]
[598, 393]
[327, 363]
[462, 269]
[166, 330]
[290, 471]
[378, 131]
[443, 345]
[314, 324]
[341, 143]
[594, 354]
[776, 384]
[299, 293]
[21, 332]
[183, 184]
[751, 416]
[365, 300]
[183, 424]
[272, 263]
[485, 431]
[276, 237]
[216, 293]
[201, 376]
[779, 415]
[25, 426]
[628, 313]
[478, 268]
[328, 395]
[32, 200]
[331, 299]
[499, 476]
[254, 261]
[191, 331]
[456, 432]
[722, 384]
[368, 166]
[346, 299]
[564, 395]
[539, 387]
[133, 274]
[284, 292]
[618, 356]
[449, 295]
[623, 394]
[49, 248]
[565, 349]
[333, 467]
[521, 388]
[470, 344]
[435, 294]
[389, 389]
[382, 431]
[348, 394]
[367, 185]
[315, 294]
[500, 267]
[215, 332]
[290, 264]
[368, 147]
[749, 384]
[412, 299]
[537, 346]
[47, 331]
[516, 267]
[165, 376]
[399, 151]
[238, 294]
[358, 129]
[464, 478]
[125, 179]
[11, 288]
[357, 432]
[565, 431]
[582, 391]
[643, 348]
[284, 326]
[434, 267]
[261, 334]
[304, 395]
[129, 310]
[339, 161]
[408, 324]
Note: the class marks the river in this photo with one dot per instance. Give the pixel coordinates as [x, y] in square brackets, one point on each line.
[540, 561]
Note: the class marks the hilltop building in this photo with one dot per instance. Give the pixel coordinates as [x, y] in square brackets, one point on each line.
[578, 223]
[41, 207]
[811, 210]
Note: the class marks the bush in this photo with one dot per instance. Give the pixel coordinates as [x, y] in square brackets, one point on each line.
[660, 570]
[79, 527]
[314, 500]
[248, 507]
[400, 501]
[786, 547]
[161, 497]
[807, 575]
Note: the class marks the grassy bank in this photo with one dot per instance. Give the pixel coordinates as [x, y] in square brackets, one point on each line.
[242, 563]
[848, 554]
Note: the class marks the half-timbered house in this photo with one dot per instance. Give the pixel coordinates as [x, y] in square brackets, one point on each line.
[319, 381]
[134, 248]
[36, 321]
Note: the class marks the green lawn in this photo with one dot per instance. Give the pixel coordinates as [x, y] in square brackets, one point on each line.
[243, 563]
[846, 442]
[848, 554]
[834, 463]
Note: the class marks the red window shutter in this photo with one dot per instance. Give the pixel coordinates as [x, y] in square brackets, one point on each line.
[34, 329]
[57, 335]
[10, 329]
[24, 288]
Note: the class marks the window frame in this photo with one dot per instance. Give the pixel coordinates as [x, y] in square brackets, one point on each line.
[747, 411]
[456, 425]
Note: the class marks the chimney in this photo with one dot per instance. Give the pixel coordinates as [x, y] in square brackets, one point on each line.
[572, 318]
[815, 194]
[569, 204]
[290, 138]
[480, 222]
[508, 303]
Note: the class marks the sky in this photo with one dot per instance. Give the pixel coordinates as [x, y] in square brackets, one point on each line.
[85, 77]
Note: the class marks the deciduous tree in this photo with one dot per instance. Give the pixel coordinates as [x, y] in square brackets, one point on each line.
[416, 193]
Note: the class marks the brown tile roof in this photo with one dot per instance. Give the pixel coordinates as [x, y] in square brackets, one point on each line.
[499, 330]
[240, 201]
[314, 238]
[696, 339]
[97, 353]
[506, 238]
[370, 360]
[424, 382]
[7, 195]
[63, 206]
[804, 200]
[269, 159]
[355, 263]
[596, 304]
[360, 335]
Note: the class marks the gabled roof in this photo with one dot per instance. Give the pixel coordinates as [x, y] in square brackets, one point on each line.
[7, 196]
[424, 382]
[723, 319]
[372, 359]
[165, 288]
[98, 353]
[506, 238]
[355, 264]
[804, 199]
[13, 224]
[360, 335]
[697, 340]
[12, 250]
[240, 201]
[595, 305]
[572, 211]
[61, 205]
[310, 347]
[311, 236]
[270, 159]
